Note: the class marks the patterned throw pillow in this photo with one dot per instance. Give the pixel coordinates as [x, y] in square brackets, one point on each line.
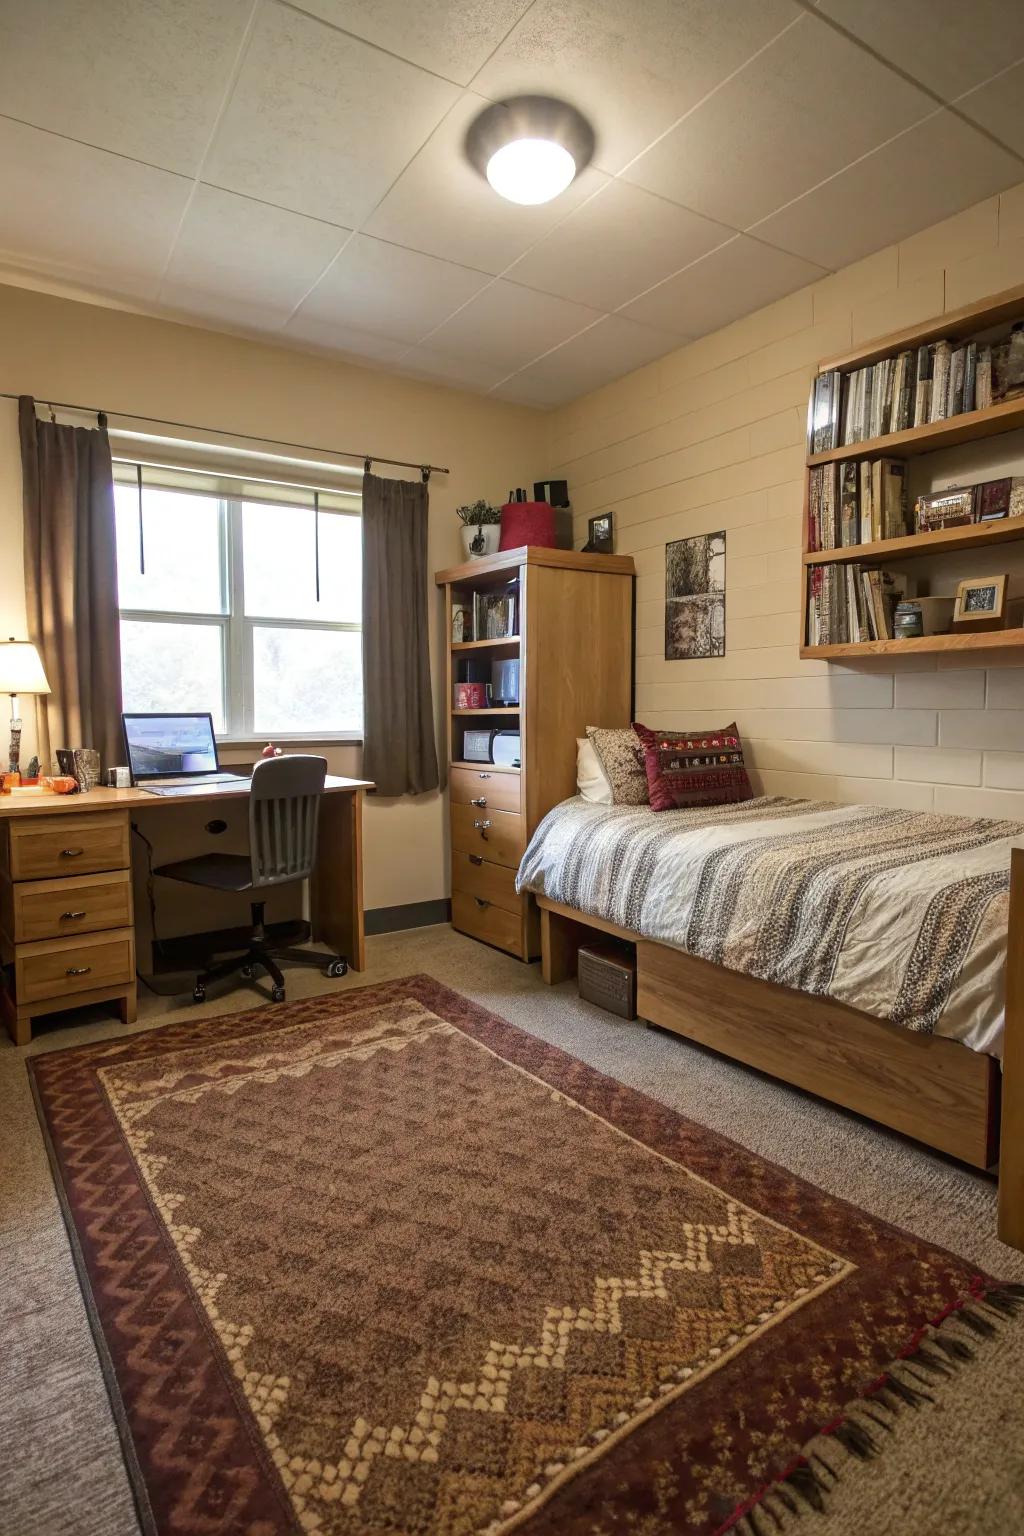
[688, 768]
[622, 758]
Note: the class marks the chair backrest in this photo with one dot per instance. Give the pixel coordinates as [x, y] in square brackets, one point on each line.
[284, 808]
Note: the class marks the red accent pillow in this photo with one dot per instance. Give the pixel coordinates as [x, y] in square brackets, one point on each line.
[689, 768]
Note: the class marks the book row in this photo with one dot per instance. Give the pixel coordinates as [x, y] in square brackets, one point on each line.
[860, 501]
[849, 604]
[912, 389]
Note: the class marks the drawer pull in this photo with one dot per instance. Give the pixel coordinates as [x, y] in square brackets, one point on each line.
[71, 853]
[483, 775]
[481, 802]
[481, 827]
[481, 902]
[476, 858]
[78, 970]
[70, 915]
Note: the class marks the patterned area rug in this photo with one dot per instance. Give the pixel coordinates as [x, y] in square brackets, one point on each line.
[381, 1264]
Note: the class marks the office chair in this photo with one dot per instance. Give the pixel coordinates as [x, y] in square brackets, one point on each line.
[284, 809]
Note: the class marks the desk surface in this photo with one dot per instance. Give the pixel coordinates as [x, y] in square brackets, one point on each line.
[43, 802]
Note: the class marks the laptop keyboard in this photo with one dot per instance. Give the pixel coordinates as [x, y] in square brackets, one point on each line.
[218, 786]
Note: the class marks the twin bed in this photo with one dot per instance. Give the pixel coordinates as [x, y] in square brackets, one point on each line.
[856, 951]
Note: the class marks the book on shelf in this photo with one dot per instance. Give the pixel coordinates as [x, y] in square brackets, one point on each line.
[823, 412]
[852, 604]
[494, 615]
[942, 354]
[923, 387]
[983, 380]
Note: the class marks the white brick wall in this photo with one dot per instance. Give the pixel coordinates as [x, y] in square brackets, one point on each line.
[711, 437]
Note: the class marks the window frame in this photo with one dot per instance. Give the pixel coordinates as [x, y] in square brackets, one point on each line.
[236, 632]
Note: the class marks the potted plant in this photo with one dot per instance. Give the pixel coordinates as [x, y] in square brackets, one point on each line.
[481, 528]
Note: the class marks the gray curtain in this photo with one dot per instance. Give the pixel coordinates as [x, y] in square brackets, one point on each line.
[399, 754]
[71, 584]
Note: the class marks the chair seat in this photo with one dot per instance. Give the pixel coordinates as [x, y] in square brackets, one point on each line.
[217, 871]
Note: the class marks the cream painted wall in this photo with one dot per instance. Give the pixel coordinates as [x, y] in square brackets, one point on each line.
[712, 437]
[55, 348]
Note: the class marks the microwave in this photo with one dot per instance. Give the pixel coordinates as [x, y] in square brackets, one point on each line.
[503, 748]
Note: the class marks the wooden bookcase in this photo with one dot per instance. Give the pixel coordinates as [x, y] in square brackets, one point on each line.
[574, 647]
[970, 426]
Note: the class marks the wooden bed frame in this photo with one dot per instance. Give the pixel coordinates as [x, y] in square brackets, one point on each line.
[925, 1086]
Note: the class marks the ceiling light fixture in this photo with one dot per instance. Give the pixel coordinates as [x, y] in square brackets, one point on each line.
[530, 148]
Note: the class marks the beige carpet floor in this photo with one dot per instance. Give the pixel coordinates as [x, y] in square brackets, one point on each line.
[63, 1473]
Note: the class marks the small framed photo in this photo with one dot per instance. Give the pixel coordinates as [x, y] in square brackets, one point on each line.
[980, 603]
[462, 624]
[602, 534]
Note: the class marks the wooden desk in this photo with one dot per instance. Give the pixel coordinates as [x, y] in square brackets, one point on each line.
[67, 930]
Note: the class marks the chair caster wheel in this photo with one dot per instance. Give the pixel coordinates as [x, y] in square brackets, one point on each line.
[278, 994]
[198, 994]
[248, 972]
[338, 968]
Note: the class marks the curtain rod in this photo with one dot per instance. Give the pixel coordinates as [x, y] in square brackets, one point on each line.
[249, 437]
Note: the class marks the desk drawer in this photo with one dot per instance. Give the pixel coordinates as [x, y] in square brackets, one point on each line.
[42, 846]
[498, 791]
[54, 969]
[501, 842]
[51, 909]
[492, 924]
[496, 883]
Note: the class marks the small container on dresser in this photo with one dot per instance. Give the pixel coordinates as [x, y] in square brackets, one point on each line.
[66, 933]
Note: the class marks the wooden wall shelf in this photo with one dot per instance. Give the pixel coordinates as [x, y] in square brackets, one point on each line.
[940, 541]
[970, 426]
[988, 640]
[482, 645]
[501, 709]
[1007, 416]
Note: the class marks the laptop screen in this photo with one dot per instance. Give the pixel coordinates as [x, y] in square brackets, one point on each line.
[163, 746]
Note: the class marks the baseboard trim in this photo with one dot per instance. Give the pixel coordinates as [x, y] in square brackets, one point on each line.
[414, 914]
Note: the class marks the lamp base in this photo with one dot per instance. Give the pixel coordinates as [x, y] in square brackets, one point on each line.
[15, 750]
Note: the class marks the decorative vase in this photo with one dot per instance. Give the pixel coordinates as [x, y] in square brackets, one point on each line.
[485, 538]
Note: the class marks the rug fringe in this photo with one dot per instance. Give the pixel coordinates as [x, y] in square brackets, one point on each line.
[934, 1354]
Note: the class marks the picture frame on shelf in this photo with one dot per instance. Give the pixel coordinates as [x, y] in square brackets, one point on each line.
[980, 603]
[601, 530]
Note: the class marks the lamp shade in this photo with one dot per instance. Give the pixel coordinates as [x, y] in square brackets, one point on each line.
[21, 671]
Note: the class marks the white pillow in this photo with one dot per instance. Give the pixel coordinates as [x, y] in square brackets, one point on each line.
[591, 780]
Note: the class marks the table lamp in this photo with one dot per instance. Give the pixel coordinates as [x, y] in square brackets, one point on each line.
[21, 671]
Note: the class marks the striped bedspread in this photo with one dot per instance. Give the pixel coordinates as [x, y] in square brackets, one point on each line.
[899, 913]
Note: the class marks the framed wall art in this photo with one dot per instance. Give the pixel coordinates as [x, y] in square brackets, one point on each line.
[695, 597]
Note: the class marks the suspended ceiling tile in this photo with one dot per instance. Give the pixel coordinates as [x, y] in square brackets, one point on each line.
[350, 341]
[387, 290]
[617, 244]
[441, 205]
[540, 393]
[998, 106]
[947, 45]
[244, 261]
[451, 37]
[925, 175]
[509, 326]
[732, 281]
[780, 126]
[85, 215]
[319, 122]
[143, 80]
[426, 363]
[609, 349]
[632, 66]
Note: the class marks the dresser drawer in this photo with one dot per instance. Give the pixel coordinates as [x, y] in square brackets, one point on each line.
[497, 791]
[43, 846]
[474, 875]
[54, 969]
[52, 909]
[492, 924]
[501, 841]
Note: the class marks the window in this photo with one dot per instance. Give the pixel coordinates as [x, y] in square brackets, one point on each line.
[223, 614]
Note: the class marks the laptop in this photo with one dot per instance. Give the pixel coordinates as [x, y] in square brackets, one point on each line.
[176, 754]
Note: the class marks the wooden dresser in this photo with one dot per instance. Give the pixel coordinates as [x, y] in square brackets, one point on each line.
[574, 645]
[66, 930]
